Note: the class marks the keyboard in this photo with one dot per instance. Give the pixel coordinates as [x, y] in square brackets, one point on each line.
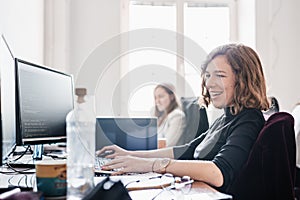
[100, 161]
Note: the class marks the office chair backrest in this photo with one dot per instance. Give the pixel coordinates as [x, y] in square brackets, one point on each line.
[274, 107]
[196, 119]
[270, 170]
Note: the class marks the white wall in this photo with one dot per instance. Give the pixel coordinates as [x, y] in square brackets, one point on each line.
[246, 22]
[72, 30]
[22, 23]
[278, 42]
[272, 27]
[91, 24]
[56, 26]
[75, 29]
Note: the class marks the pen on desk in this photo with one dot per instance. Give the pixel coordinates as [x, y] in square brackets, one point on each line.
[136, 181]
[148, 187]
[9, 193]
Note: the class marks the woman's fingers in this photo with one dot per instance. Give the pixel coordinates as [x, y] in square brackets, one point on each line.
[111, 156]
[115, 163]
[109, 151]
[106, 148]
[124, 164]
[119, 163]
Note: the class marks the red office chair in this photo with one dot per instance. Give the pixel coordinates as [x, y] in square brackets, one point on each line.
[270, 170]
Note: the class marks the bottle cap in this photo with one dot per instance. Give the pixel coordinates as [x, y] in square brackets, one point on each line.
[80, 92]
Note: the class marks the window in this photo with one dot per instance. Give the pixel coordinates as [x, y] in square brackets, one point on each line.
[207, 23]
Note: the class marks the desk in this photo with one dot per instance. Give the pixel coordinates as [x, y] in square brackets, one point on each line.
[200, 190]
[14, 179]
[24, 178]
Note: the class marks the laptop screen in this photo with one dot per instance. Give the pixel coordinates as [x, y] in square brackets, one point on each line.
[128, 133]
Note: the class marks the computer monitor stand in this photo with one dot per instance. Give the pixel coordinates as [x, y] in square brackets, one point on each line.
[38, 152]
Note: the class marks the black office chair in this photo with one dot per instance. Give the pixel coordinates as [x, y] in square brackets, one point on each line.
[274, 107]
[297, 184]
[196, 119]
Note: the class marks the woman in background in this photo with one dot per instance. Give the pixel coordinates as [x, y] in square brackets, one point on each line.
[171, 119]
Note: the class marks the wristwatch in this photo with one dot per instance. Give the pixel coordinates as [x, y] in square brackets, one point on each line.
[163, 164]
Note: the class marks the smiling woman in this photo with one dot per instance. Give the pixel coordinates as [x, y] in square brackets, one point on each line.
[241, 65]
[220, 81]
[232, 80]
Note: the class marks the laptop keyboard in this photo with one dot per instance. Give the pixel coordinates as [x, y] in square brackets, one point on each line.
[100, 161]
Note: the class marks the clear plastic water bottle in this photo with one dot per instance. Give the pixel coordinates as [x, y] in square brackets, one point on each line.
[81, 123]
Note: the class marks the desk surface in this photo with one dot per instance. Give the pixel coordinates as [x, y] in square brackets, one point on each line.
[199, 190]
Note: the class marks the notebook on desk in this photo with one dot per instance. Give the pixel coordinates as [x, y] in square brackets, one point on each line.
[138, 133]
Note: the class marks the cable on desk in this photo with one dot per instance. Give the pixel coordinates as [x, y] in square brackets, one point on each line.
[136, 181]
[26, 187]
[23, 153]
[24, 171]
[20, 179]
[32, 180]
[9, 181]
[7, 173]
[25, 177]
[55, 157]
[13, 150]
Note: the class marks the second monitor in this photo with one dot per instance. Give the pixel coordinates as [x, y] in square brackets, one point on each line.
[129, 133]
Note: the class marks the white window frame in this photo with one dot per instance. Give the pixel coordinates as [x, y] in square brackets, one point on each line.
[180, 68]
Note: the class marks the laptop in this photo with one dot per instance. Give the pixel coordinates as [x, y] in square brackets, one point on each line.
[137, 133]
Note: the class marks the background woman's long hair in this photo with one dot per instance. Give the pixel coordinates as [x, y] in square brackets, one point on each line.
[161, 115]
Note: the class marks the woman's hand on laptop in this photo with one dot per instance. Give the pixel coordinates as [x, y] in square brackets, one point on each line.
[126, 164]
[112, 151]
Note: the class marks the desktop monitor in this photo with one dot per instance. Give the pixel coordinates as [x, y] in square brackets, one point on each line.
[7, 101]
[44, 97]
[128, 133]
